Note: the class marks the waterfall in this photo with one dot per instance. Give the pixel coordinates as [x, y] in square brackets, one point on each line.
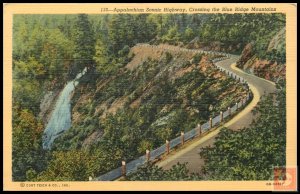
[60, 120]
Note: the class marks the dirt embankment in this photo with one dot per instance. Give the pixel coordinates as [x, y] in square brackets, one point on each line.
[143, 52]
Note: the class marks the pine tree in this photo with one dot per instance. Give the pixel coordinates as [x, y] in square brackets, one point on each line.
[84, 44]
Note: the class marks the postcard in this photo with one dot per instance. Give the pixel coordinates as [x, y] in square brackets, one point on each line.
[142, 96]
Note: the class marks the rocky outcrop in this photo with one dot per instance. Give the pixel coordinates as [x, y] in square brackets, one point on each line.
[47, 105]
[267, 69]
[246, 55]
[278, 41]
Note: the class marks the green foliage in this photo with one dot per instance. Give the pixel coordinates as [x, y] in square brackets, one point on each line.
[164, 134]
[41, 56]
[173, 36]
[27, 94]
[234, 29]
[167, 58]
[70, 166]
[276, 55]
[197, 58]
[188, 35]
[150, 172]
[84, 44]
[28, 156]
[48, 47]
[251, 153]
[144, 145]
[128, 29]
[30, 70]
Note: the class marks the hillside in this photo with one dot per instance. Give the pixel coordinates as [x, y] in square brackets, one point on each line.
[155, 89]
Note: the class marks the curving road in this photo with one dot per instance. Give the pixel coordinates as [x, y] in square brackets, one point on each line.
[190, 152]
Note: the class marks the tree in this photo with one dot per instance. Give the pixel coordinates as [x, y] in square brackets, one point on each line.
[173, 35]
[206, 33]
[188, 34]
[164, 134]
[56, 54]
[70, 166]
[114, 34]
[28, 158]
[144, 145]
[84, 44]
[29, 70]
[101, 57]
[27, 94]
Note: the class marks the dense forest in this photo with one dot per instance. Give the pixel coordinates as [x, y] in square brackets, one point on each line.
[50, 50]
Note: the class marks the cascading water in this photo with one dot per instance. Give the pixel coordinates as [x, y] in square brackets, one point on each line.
[61, 116]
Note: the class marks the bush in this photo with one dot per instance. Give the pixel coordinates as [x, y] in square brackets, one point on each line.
[186, 64]
[197, 58]
[144, 145]
[167, 58]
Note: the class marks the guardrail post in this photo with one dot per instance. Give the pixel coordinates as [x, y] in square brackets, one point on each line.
[123, 168]
[210, 123]
[90, 178]
[199, 128]
[167, 146]
[237, 105]
[221, 116]
[229, 111]
[182, 137]
[147, 155]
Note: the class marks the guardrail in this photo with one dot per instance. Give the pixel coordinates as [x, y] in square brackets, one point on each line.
[126, 169]
[174, 48]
